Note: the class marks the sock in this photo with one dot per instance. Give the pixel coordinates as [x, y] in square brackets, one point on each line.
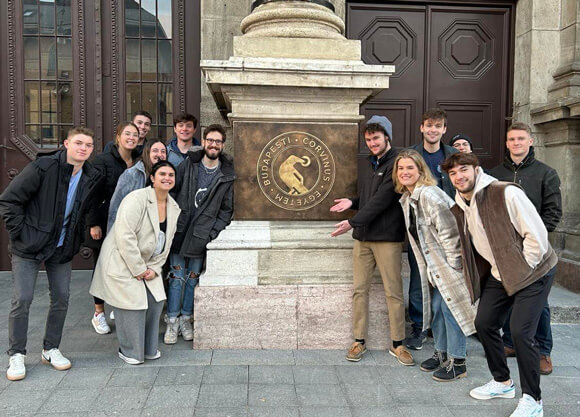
[361, 341]
[397, 343]
[459, 361]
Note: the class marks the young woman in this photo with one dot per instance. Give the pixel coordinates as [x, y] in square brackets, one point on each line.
[128, 272]
[135, 177]
[111, 163]
[434, 237]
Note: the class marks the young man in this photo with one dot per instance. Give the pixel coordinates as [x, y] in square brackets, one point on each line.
[379, 231]
[433, 127]
[184, 126]
[509, 262]
[142, 120]
[542, 186]
[204, 190]
[44, 209]
[462, 143]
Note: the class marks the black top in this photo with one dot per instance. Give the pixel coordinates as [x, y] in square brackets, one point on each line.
[163, 226]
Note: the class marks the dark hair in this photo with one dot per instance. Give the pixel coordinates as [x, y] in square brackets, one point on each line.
[435, 114]
[459, 158]
[215, 128]
[80, 130]
[520, 126]
[142, 113]
[375, 127]
[185, 117]
[145, 156]
[122, 127]
[161, 164]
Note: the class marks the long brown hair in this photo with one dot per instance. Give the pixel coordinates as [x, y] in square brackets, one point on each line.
[425, 176]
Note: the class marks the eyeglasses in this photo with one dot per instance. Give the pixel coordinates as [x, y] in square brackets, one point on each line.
[214, 141]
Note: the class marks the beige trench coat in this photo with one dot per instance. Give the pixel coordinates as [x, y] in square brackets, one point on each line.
[128, 251]
[438, 254]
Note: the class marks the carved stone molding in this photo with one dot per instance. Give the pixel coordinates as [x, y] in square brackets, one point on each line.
[81, 62]
[115, 56]
[181, 55]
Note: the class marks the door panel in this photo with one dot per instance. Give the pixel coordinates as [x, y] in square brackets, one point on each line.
[453, 57]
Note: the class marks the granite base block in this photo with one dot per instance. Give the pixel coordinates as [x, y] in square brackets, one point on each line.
[284, 317]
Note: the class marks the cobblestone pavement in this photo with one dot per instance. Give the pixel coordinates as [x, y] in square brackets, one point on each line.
[280, 383]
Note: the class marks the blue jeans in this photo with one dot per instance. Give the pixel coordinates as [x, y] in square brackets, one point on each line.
[183, 277]
[415, 293]
[447, 334]
[543, 333]
[24, 274]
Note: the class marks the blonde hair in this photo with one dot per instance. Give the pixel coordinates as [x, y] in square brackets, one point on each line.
[425, 176]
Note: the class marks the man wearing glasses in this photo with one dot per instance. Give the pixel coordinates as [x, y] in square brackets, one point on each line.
[204, 191]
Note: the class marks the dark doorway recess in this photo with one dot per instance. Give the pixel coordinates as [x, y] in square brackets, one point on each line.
[453, 55]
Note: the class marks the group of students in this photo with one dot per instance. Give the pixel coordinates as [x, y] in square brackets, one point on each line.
[478, 250]
[137, 204]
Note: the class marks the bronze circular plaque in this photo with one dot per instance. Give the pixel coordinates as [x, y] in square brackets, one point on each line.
[296, 171]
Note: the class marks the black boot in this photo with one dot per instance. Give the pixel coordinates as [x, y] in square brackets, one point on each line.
[434, 362]
[455, 369]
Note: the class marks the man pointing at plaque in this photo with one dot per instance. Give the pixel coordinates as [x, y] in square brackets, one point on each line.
[379, 230]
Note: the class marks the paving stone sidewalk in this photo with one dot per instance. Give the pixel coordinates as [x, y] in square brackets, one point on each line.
[236, 383]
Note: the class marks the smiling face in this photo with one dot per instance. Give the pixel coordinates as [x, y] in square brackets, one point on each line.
[78, 148]
[158, 152]
[408, 173]
[462, 145]
[518, 143]
[184, 131]
[463, 179]
[433, 130]
[143, 123]
[377, 143]
[129, 138]
[213, 144]
[164, 178]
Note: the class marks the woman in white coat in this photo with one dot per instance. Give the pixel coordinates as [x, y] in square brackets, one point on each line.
[128, 273]
[434, 237]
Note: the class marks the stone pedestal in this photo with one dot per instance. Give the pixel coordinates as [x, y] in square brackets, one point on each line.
[275, 278]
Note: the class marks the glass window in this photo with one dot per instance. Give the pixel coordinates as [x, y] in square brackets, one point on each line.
[48, 70]
[149, 62]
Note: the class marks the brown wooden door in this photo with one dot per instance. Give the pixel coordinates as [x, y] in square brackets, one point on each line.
[454, 57]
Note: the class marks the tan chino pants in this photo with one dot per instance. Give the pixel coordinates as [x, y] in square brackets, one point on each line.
[387, 257]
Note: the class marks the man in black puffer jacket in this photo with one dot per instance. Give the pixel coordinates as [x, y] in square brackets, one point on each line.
[44, 209]
[204, 190]
[542, 186]
[379, 231]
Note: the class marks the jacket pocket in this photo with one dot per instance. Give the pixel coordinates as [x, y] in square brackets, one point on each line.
[34, 236]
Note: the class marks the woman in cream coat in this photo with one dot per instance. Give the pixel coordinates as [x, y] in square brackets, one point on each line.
[434, 236]
[128, 273]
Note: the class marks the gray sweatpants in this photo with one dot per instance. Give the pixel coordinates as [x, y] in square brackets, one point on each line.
[138, 330]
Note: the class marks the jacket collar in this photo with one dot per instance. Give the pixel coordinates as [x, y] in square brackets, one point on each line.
[482, 180]
[226, 161]
[528, 160]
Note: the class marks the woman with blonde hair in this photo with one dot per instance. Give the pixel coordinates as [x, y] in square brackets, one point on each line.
[434, 237]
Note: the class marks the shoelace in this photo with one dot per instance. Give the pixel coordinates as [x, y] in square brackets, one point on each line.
[102, 320]
[449, 365]
[526, 404]
[55, 354]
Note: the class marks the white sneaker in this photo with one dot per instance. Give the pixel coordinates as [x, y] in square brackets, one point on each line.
[16, 371]
[130, 361]
[100, 324]
[153, 357]
[186, 327]
[528, 407]
[112, 315]
[171, 332]
[55, 358]
[493, 389]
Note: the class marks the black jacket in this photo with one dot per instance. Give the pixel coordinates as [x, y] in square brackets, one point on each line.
[540, 182]
[111, 165]
[197, 227]
[380, 217]
[445, 181]
[33, 207]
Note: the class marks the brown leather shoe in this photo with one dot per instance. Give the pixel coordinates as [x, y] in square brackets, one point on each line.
[356, 352]
[403, 355]
[545, 365]
[509, 352]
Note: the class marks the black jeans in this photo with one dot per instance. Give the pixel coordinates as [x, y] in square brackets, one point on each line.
[24, 274]
[527, 305]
